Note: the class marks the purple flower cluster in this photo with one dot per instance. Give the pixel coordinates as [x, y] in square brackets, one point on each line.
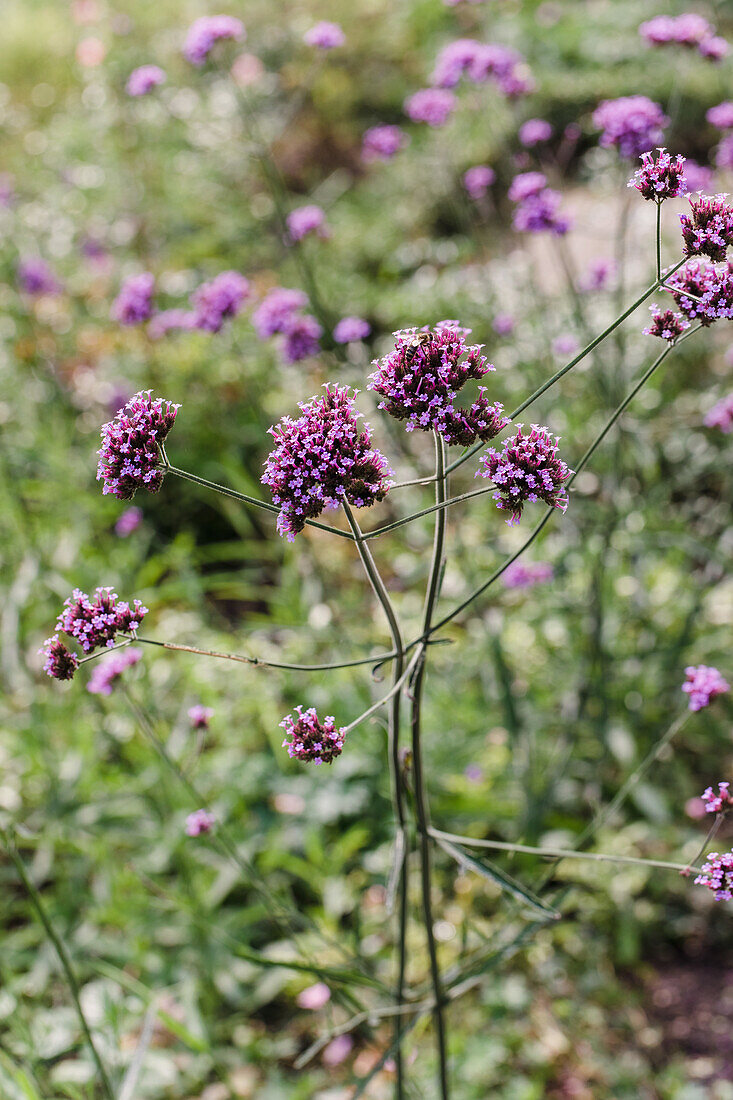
[665, 324]
[325, 36]
[60, 663]
[382, 143]
[205, 32]
[521, 575]
[141, 81]
[430, 105]
[128, 522]
[597, 275]
[305, 220]
[688, 29]
[721, 116]
[171, 320]
[633, 124]
[538, 206]
[715, 802]
[301, 338]
[527, 469]
[108, 672]
[533, 132]
[94, 621]
[321, 460]
[478, 180]
[36, 277]
[503, 324]
[199, 822]
[223, 297]
[702, 685]
[134, 303]
[279, 312]
[717, 875]
[199, 716]
[663, 178]
[698, 176]
[307, 738]
[703, 292]
[724, 152]
[708, 229]
[350, 329]
[129, 458]
[481, 62]
[420, 380]
[721, 415]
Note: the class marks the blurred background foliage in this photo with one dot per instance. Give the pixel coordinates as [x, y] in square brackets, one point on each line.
[546, 700]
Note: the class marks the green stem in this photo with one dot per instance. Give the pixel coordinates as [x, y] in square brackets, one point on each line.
[377, 659]
[427, 511]
[659, 241]
[63, 956]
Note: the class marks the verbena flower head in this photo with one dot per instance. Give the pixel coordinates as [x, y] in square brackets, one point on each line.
[382, 143]
[526, 186]
[430, 105]
[134, 303]
[301, 336]
[665, 324]
[721, 415]
[205, 32]
[129, 458]
[305, 220]
[420, 380]
[565, 344]
[96, 620]
[199, 822]
[480, 62]
[350, 329]
[714, 48]
[525, 575]
[171, 320]
[540, 213]
[526, 470]
[721, 116]
[717, 875]
[108, 672]
[128, 522]
[60, 663]
[708, 229]
[218, 300]
[276, 310]
[698, 176]
[314, 997]
[597, 275]
[712, 287]
[199, 716]
[724, 152]
[715, 801]
[36, 277]
[309, 739]
[478, 180]
[682, 30]
[633, 124]
[503, 324]
[141, 81]
[533, 132]
[663, 178]
[703, 684]
[325, 36]
[322, 459]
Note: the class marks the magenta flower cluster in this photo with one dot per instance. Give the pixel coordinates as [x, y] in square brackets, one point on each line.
[703, 292]
[666, 324]
[533, 132]
[199, 822]
[199, 716]
[60, 663]
[205, 32]
[716, 801]
[708, 229]
[93, 621]
[632, 124]
[419, 381]
[721, 115]
[129, 458]
[309, 739]
[279, 312]
[141, 81]
[721, 415]
[431, 105]
[526, 574]
[134, 303]
[663, 178]
[323, 459]
[108, 672]
[305, 221]
[382, 143]
[218, 300]
[351, 329]
[688, 29]
[478, 180]
[717, 875]
[325, 36]
[35, 277]
[481, 62]
[526, 470]
[703, 684]
[538, 206]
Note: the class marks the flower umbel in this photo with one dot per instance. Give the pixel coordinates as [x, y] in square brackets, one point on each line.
[223, 297]
[199, 822]
[716, 801]
[717, 875]
[309, 739]
[527, 469]
[721, 415]
[134, 303]
[633, 124]
[107, 673]
[204, 33]
[663, 178]
[708, 229]
[95, 621]
[61, 663]
[129, 458]
[666, 324]
[199, 716]
[702, 685]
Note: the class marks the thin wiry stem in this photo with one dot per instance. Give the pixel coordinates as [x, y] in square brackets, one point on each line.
[63, 956]
[427, 511]
[377, 659]
[397, 686]
[659, 241]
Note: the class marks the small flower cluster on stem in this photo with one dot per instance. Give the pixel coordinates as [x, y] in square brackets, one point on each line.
[717, 801]
[130, 456]
[527, 469]
[309, 739]
[703, 684]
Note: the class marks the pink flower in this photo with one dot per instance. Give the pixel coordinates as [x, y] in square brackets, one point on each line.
[205, 32]
[305, 220]
[721, 415]
[533, 132]
[477, 180]
[106, 674]
[199, 716]
[128, 522]
[338, 1050]
[142, 81]
[314, 997]
[430, 105]
[325, 36]
[702, 685]
[199, 822]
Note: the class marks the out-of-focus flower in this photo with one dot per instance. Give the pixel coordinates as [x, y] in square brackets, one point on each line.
[204, 33]
[717, 875]
[128, 522]
[526, 574]
[698, 176]
[199, 822]
[171, 320]
[565, 344]
[96, 620]
[527, 185]
[420, 380]
[540, 213]
[478, 180]
[134, 303]
[337, 1051]
[714, 48]
[715, 801]
[503, 324]
[703, 292]
[351, 329]
[309, 739]
[533, 132]
[663, 178]
[597, 275]
[36, 277]
[682, 30]
[108, 672]
[382, 143]
[325, 36]
[665, 324]
[276, 310]
[129, 458]
[721, 115]
[219, 299]
[141, 81]
[199, 716]
[721, 415]
[527, 469]
[247, 70]
[430, 105]
[633, 124]
[305, 220]
[480, 62]
[7, 190]
[301, 336]
[314, 997]
[703, 684]
[708, 229]
[322, 459]
[60, 663]
[91, 52]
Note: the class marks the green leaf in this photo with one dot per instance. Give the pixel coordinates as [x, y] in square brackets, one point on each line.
[509, 885]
